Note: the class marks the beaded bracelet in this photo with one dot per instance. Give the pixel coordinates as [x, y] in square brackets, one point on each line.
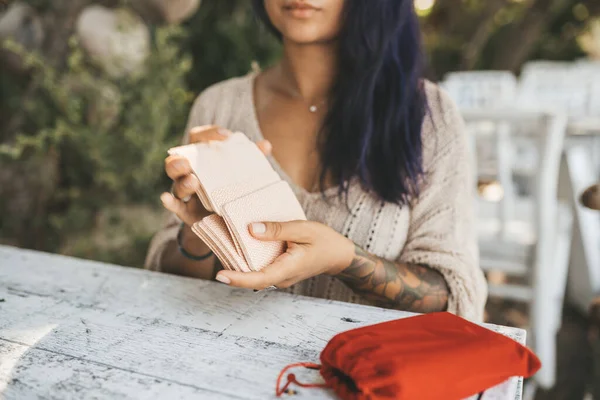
[184, 251]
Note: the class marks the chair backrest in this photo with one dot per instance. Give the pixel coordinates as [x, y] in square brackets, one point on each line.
[571, 87]
[594, 100]
[481, 89]
[589, 71]
[555, 86]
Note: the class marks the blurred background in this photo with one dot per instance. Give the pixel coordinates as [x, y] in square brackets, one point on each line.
[93, 93]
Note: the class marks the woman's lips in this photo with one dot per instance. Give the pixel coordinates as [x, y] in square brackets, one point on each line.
[300, 10]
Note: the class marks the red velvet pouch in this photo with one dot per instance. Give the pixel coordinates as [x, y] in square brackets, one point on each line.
[432, 356]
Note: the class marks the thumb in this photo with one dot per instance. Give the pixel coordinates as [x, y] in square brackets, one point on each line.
[293, 231]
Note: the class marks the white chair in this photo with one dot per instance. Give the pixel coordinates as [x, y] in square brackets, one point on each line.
[528, 237]
[573, 88]
[533, 241]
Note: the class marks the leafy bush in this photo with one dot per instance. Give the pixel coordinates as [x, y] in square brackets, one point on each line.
[107, 140]
[224, 39]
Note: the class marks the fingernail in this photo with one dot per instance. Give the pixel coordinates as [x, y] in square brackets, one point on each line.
[224, 132]
[165, 198]
[223, 279]
[266, 147]
[179, 164]
[196, 129]
[259, 228]
[188, 184]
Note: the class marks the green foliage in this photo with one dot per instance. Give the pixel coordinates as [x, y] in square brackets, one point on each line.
[115, 132]
[225, 38]
[109, 136]
[502, 34]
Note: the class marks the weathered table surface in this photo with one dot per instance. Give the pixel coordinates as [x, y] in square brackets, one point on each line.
[78, 329]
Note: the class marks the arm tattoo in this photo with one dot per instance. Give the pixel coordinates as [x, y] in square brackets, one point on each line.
[407, 287]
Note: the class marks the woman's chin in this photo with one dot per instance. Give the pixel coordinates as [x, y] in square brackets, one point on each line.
[305, 37]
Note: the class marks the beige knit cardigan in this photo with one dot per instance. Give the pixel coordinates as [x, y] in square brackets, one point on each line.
[437, 229]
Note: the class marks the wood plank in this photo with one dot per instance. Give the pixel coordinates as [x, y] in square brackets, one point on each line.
[27, 373]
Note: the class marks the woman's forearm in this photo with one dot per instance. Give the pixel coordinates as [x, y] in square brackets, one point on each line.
[176, 263]
[407, 287]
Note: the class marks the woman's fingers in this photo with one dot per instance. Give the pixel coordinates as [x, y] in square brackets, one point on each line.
[177, 207]
[186, 186]
[265, 146]
[293, 231]
[177, 167]
[282, 273]
[207, 133]
[185, 182]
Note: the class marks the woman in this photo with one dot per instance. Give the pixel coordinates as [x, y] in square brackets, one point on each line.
[376, 156]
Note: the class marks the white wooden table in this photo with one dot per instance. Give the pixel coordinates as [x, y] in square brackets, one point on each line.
[74, 329]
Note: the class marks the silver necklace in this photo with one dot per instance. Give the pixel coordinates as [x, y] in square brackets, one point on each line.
[315, 107]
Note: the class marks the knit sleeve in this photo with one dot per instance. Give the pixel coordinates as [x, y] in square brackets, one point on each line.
[201, 113]
[442, 231]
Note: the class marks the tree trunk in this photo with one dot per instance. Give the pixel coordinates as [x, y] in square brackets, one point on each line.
[521, 40]
[482, 34]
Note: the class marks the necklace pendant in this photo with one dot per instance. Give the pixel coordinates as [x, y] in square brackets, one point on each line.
[312, 109]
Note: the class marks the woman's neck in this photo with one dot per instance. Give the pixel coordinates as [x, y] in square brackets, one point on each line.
[308, 71]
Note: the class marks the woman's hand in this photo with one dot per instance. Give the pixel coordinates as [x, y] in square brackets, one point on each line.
[190, 209]
[185, 183]
[313, 249]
